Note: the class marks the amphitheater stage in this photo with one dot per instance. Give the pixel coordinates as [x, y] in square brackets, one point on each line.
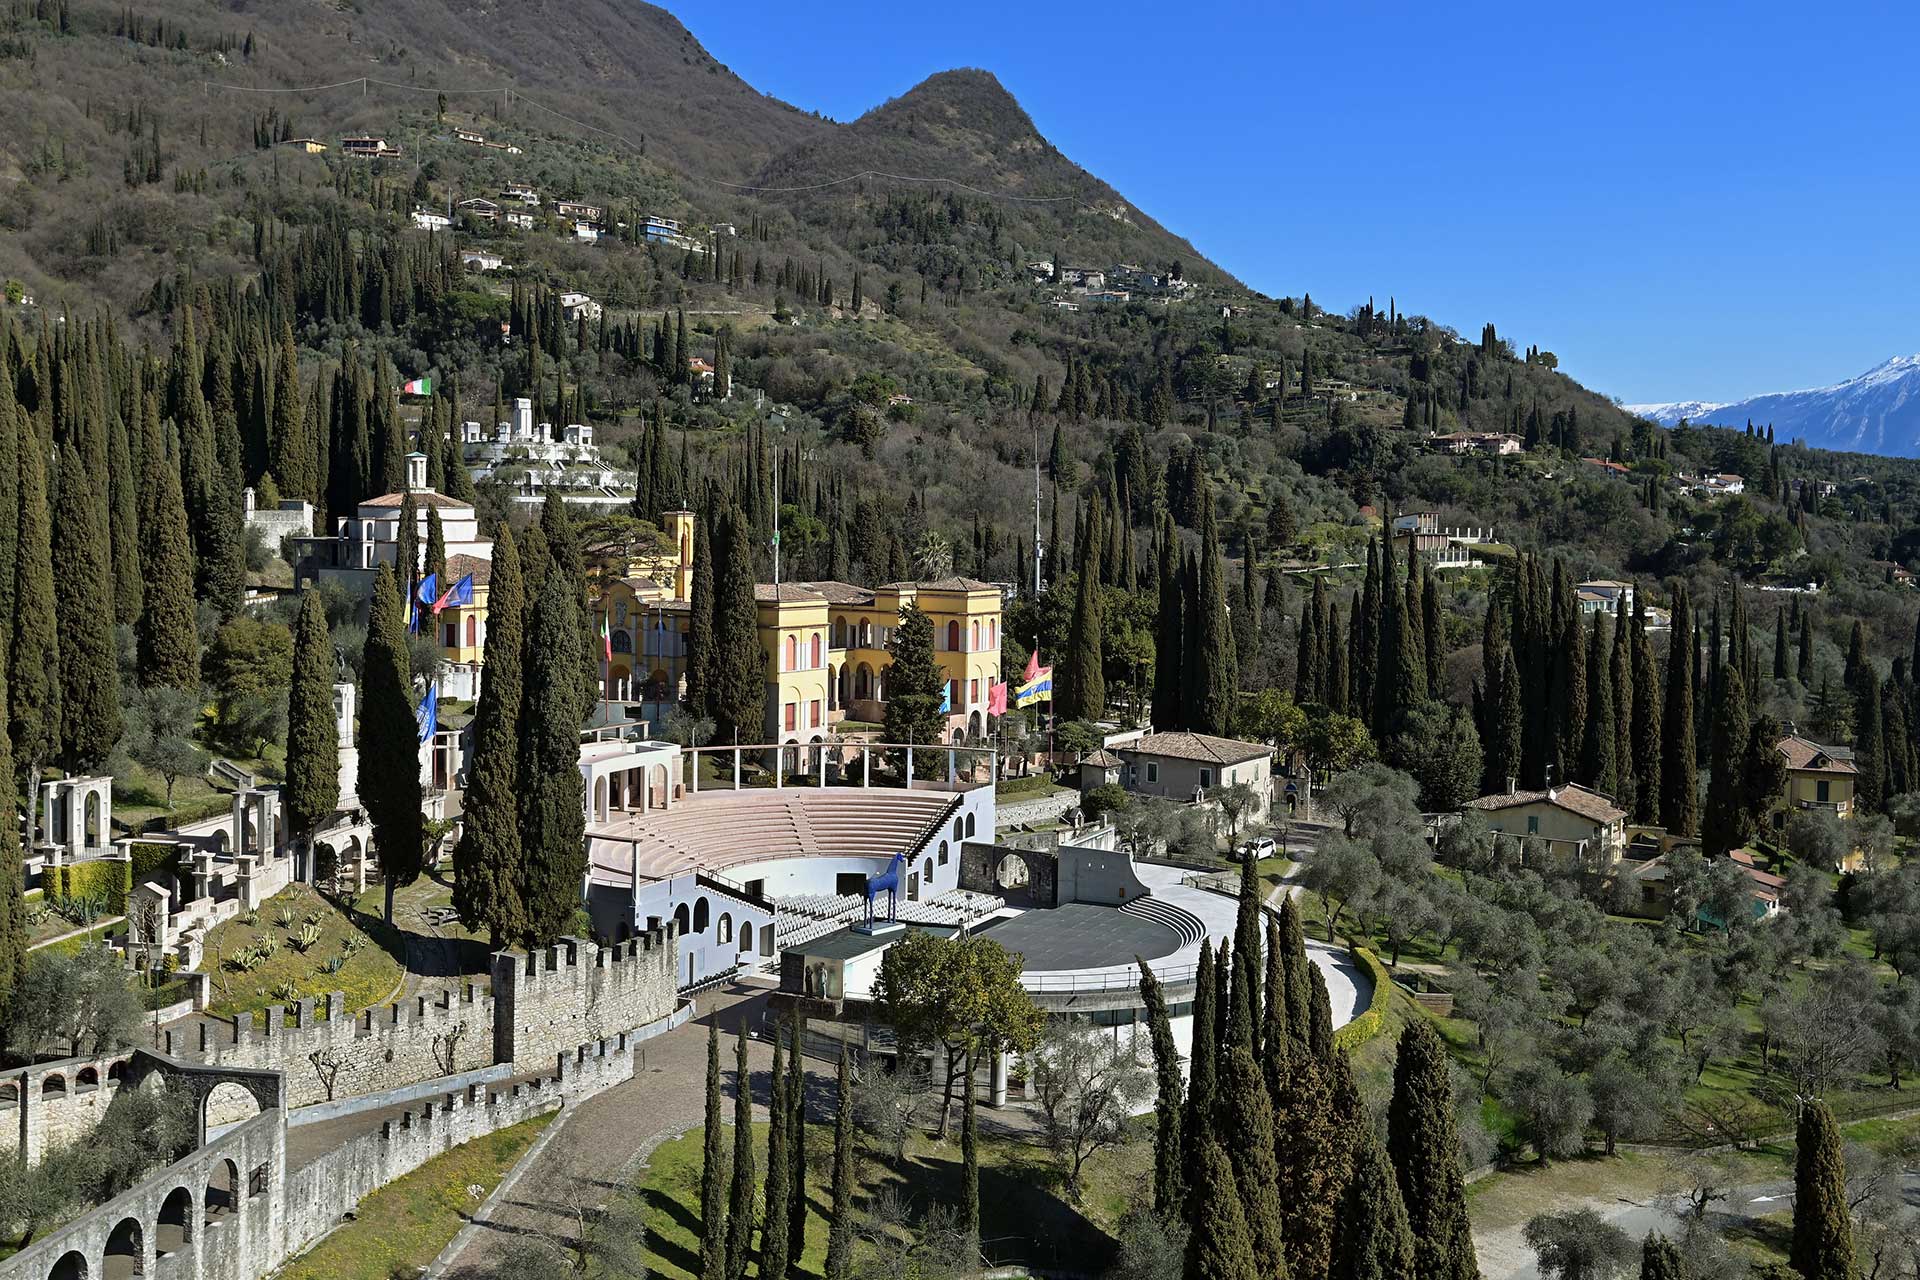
[1080, 936]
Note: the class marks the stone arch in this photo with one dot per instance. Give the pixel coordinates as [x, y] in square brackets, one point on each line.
[127, 1242]
[746, 937]
[863, 682]
[89, 1078]
[680, 920]
[222, 1194]
[839, 633]
[975, 726]
[227, 1103]
[1012, 872]
[72, 1266]
[54, 1086]
[9, 1095]
[173, 1229]
[600, 799]
[700, 915]
[93, 828]
[117, 1071]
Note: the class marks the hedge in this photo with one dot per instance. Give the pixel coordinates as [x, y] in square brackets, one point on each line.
[154, 861]
[1369, 1023]
[107, 879]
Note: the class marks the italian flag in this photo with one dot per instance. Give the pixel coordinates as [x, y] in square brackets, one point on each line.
[418, 387]
[606, 638]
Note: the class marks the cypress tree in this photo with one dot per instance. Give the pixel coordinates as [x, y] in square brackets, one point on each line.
[713, 1171]
[797, 1142]
[700, 623]
[1569, 676]
[1169, 708]
[1804, 671]
[1371, 1238]
[1679, 771]
[1433, 632]
[1217, 669]
[1219, 1246]
[1275, 1040]
[1319, 1014]
[1197, 1129]
[13, 906]
[1309, 677]
[1649, 736]
[1339, 661]
[739, 676]
[773, 1228]
[914, 684]
[1366, 637]
[1169, 1187]
[970, 1171]
[166, 637]
[1245, 1008]
[390, 742]
[1425, 1151]
[1306, 1149]
[407, 552]
[1293, 941]
[1387, 678]
[312, 792]
[90, 720]
[1621, 665]
[488, 866]
[1247, 1114]
[1659, 1260]
[1870, 744]
[1722, 827]
[1508, 723]
[840, 1232]
[436, 563]
[1822, 1229]
[552, 818]
[1084, 696]
[123, 524]
[11, 421]
[1596, 757]
[33, 686]
[1780, 645]
[740, 1193]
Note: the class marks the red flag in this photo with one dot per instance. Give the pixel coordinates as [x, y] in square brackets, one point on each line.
[1033, 668]
[997, 698]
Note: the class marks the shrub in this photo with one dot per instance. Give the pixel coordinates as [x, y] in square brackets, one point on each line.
[1369, 1023]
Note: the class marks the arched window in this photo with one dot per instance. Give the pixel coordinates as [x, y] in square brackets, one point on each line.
[969, 826]
[680, 919]
[473, 631]
[622, 641]
[943, 853]
[793, 653]
[700, 916]
[953, 635]
[89, 1079]
[956, 828]
[974, 637]
[725, 932]
[746, 937]
[993, 633]
[926, 872]
[53, 1087]
[814, 655]
[839, 633]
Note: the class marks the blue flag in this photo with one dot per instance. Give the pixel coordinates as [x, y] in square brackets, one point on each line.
[946, 698]
[460, 592]
[428, 590]
[428, 717]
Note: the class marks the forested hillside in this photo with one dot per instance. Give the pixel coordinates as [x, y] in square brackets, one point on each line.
[914, 347]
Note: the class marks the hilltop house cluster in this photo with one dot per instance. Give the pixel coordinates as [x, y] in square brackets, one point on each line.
[1125, 282]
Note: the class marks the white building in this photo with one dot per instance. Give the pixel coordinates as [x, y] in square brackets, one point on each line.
[428, 220]
[475, 260]
[532, 458]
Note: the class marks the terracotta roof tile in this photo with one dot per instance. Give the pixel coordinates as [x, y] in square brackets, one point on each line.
[1194, 746]
[1809, 756]
[1575, 799]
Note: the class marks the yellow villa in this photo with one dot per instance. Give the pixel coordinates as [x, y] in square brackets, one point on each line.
[1818, 777]
[826, 642]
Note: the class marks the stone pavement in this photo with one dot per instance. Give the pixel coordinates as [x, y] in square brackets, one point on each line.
[603, 1139]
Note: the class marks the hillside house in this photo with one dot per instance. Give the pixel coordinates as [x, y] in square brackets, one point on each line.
[1612, 470]
[523, 192]
[1489, 443]
[657, 230]
[469, 135]
[476, 260]
[368, 148]
[573, 305]
[1655, 899]
[428, 220]
[1442, 548]
[576, 209]
[1573, 821]
[1601, 595]
[1818, 777]
[522, 221]
[1185, 766]
[312, 146]
[479, 209]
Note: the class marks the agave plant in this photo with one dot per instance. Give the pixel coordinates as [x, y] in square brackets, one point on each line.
[309, 934]
[284, 917]
[334, 963]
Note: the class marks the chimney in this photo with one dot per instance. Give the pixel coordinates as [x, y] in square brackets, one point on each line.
[1513, 785]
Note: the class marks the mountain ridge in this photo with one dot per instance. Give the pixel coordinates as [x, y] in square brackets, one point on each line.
[1873, 412]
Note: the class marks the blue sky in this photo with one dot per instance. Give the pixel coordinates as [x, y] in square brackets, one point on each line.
[1680, 203]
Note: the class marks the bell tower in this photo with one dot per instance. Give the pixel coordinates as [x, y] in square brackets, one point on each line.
[679, 527]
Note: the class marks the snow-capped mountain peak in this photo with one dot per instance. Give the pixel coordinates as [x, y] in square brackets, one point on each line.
[1875, 412]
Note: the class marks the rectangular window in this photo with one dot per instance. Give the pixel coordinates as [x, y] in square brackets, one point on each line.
[1206, 778]
[1820, 791]
[973, 692]
[452, 636]
[1533, 826]
[953, 695]
[1153, 772]
[792, 714]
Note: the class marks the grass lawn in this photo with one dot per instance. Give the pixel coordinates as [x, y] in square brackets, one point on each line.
[403, 1227]
[369, 975]
[42, 937]
[1025, 1215]
[140, 796]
